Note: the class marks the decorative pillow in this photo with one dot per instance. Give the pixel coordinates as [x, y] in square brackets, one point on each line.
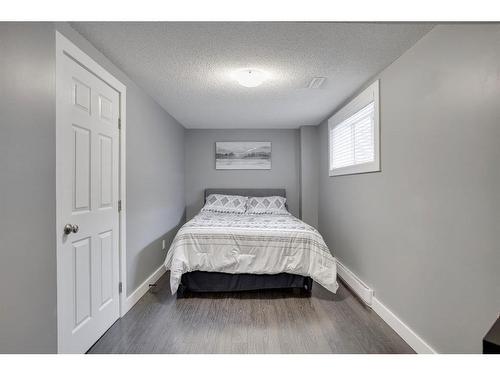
[267, 205]
[225, 203]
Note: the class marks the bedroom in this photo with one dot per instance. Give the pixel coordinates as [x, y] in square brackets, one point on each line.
[175, 187]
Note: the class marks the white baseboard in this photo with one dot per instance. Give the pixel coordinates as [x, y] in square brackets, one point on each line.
[406, 333]
[367, 295]
[136, 295]
[355, 283]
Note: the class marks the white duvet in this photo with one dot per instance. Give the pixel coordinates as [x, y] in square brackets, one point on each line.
[244, 243]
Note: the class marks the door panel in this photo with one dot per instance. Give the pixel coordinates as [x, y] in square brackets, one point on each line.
[106, 263]
[88, 258]
[81, 169]
[81, 95]
[106, 171]
[82, 282]
[105, 109]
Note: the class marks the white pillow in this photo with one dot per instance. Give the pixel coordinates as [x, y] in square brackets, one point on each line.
[225, 203]
[267, 205]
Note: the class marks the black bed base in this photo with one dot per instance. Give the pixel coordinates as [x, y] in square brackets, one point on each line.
[199, 281]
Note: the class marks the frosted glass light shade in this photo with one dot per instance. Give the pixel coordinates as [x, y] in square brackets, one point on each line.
[250, 77]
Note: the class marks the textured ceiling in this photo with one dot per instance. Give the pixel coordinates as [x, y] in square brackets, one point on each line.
[186, 67]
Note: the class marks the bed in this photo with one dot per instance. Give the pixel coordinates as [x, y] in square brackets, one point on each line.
[227, 252]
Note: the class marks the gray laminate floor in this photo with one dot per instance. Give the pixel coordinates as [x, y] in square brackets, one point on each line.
[250, 322]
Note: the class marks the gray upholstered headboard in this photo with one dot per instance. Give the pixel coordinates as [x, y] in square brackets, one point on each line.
[247, 192]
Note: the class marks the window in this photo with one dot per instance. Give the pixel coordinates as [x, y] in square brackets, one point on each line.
[353, 134]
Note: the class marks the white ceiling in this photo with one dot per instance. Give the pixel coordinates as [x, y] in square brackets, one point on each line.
[186, 67]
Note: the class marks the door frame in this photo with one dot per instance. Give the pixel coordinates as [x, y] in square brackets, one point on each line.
[64, 47]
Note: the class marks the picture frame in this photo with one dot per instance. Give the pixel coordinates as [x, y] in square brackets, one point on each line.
[249, 155]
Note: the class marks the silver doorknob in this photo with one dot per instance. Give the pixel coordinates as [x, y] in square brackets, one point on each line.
[70, 228]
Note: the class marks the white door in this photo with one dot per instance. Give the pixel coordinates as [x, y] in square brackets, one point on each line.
[88, 232]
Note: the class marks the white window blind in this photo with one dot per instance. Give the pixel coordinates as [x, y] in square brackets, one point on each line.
[354, 135]
[352, 141]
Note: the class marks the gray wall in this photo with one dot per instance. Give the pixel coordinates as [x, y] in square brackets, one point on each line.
[27, 189]
[155, 183]
[309, 174]
[155, 172]
[201, 172]
[425, 232]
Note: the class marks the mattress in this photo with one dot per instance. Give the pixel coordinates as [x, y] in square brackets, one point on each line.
[254, 244]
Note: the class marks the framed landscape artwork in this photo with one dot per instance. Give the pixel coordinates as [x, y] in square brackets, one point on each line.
[242, 155]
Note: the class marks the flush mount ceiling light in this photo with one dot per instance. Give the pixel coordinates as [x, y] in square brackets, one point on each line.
[250, 77]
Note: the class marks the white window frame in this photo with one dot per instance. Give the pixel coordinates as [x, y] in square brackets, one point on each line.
[370, 94]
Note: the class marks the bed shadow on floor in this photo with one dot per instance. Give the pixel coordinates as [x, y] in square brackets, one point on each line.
[162, 292]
